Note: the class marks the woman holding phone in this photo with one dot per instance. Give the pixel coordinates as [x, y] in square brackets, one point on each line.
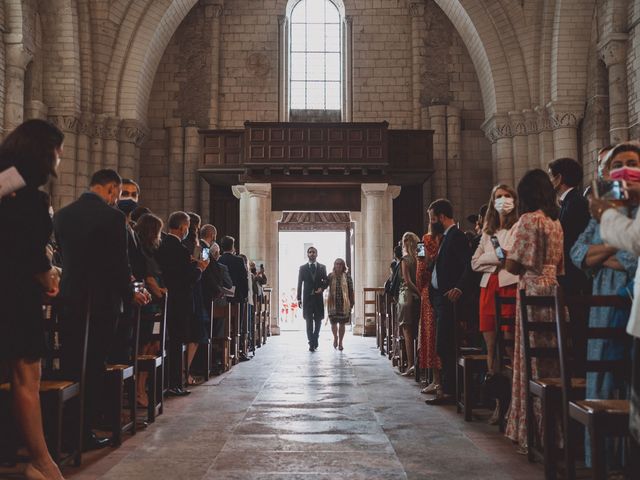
[489, 259]
[611, 270]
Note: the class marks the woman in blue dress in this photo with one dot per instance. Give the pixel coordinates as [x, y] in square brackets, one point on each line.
[611, 270]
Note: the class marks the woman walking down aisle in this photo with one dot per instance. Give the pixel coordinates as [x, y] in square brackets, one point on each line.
[340, 301]
[537, 257]
[409, 298]
[496, 241]
[427, 355]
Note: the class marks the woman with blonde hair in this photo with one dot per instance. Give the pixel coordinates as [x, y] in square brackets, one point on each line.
[489, 259]
[340, 301]
[409, 298]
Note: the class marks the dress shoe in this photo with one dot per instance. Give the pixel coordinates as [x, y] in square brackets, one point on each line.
[440, 400]
[409, 372]
[93, 442]
[178, 392]
[431, 388]
[243, 358]
[312, 349]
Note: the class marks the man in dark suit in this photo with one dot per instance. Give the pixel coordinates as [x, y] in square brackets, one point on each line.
[447, 286]
[312, 280]
[180, 274]
[566, 176]
[92, 237]
[237, 269]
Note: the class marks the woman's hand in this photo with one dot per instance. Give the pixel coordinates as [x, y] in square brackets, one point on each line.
[598, 207]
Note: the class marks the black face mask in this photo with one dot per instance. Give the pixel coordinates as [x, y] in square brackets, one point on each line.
[438, 226]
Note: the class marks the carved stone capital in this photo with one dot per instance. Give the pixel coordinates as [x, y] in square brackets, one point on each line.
[238, 190]
[564, 115]
[497, 127]
[66, 123]
[530, 121]
[260, 190]
[348, 20]
[17, 56]
[282, 20]
[518, 124]
[416, 9]
[544, 120]
[111, 128]
[85, 124]
[132, 131]
[374, 189]
[613, 49]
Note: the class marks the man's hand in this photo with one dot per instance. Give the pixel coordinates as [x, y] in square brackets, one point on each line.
[318, 290]
[453, 295]
[299, 303]
[203, 264]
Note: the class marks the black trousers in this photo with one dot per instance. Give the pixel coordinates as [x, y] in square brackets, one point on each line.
[445, 339]
[314, 322]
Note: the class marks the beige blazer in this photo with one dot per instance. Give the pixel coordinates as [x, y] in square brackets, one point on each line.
[623, 233]
[486, 261]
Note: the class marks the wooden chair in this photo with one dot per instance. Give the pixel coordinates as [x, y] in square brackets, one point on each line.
[119, 377]
[602, 418]
[222, 344]
[267, 314]
[259, 321]
[61, 399]
[369, 310]
[391, 325]
[153, 364]
[236, 311]
[503, 364]
[548, 389]
[470, 361]
[381, 321]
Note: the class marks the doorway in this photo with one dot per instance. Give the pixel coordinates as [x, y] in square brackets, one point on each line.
[292, 252]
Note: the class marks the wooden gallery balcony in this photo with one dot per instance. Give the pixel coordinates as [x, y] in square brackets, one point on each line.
[328, 153]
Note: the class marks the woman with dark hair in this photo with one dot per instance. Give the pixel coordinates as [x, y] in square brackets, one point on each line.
[537, 258]
[488, 259]
[340, 300]
[34, 149]
[148, 228]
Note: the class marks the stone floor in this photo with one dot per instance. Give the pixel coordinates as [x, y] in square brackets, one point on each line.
[291, 414]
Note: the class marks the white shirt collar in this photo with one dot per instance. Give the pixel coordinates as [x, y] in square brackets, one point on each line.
[450, 227]
[563, 196]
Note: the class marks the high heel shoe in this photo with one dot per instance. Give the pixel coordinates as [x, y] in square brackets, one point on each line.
[335, 343]
[409, 372]
[340, 347]
[33, 473]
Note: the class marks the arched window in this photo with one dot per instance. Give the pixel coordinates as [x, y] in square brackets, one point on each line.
[315, 55]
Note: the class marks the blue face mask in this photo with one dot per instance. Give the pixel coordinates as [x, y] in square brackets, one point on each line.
[127, 206]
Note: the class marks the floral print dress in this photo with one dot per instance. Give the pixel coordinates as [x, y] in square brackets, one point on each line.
[538, 247]
[427, 356]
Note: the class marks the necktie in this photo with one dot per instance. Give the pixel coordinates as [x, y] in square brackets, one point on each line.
[313, 269]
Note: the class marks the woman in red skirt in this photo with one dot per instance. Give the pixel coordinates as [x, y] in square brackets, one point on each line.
[489, 259]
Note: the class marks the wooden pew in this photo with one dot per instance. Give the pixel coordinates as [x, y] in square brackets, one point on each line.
[222, 344]
[266, 331]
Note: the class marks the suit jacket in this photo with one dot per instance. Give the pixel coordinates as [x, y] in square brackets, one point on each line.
[214, 278]
[180, 275]
[454, 262]
[239, 275]
[307, 285]
[574, 217]
[137, 259]
[92, 238]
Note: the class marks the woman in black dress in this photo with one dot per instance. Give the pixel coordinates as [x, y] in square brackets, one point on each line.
[34, 149]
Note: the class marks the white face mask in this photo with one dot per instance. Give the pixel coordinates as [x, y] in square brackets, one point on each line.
[503, 205]
[57, 161]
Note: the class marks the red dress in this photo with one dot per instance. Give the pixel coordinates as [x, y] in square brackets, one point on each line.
[488, 303]
[427, 356]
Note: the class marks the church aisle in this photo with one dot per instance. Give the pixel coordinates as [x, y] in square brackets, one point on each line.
[292, 414]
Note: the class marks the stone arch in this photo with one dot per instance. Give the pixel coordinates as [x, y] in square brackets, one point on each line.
[148, 43]
[570, 50]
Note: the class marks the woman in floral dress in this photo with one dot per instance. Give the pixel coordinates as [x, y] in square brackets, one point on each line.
[537, 258]
[427, 356]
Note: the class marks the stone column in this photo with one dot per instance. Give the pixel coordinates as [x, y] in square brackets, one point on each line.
[564, 121]
[213, 11]
[545, 138]
[132, 134]
[418, 28]
[96, 160]
[63, 189]
[83, 169]
[613, 51]
[16, 61]
[191, 160]
[241, 193]
[176, 165]
[347, 70]
[498, 131]
[283, 70]
[377, 235]
[533, 147]
[519, 145]
[205, 200]
[438, 116]
[454, 160]
[110, 135]
[257, 210]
